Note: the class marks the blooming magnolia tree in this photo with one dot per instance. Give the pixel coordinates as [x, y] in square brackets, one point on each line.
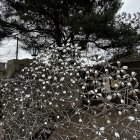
[61, 99]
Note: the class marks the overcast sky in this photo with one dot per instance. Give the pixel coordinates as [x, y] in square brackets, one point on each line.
[131, 6]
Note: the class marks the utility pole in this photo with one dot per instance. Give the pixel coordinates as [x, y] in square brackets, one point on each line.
[17, 50]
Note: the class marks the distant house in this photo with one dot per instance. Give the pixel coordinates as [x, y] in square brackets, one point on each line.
[2, 66]
[135, 56]
[2, 70]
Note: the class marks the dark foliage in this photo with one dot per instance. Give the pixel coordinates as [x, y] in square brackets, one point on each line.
[48, 21]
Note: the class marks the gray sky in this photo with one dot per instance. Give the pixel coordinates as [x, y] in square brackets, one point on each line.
[131, 6]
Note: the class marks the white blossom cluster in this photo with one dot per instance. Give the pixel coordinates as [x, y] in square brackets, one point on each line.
[65, 100]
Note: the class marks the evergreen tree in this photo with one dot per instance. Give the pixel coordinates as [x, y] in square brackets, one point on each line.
[5, 29]
[49, 21]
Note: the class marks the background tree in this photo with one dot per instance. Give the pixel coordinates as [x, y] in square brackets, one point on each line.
[46, 22]
[5, 29]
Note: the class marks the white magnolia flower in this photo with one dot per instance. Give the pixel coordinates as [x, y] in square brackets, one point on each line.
[117, 134]
[131, 118]
[80, 120]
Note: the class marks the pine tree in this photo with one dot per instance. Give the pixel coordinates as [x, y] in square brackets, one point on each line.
[5, 29]
[59, 21]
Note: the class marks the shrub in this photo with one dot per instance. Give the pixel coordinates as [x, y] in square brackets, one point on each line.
[61, 98]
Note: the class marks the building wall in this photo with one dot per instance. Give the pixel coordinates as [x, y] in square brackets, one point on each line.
[2, 70]
[15, 66]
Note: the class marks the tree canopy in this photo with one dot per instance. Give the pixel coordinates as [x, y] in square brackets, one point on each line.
[48, 21]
